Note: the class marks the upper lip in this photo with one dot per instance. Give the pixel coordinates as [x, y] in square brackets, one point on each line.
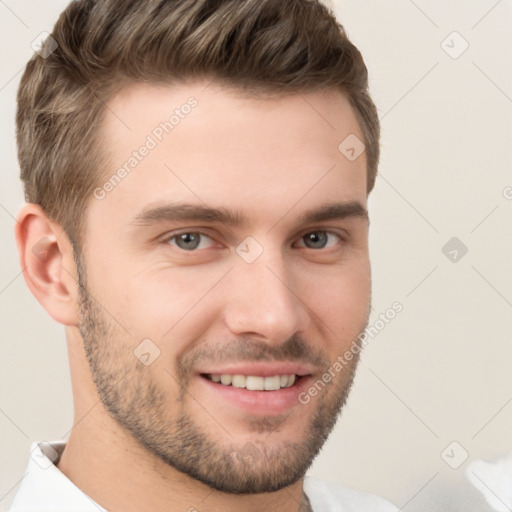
[260, 369]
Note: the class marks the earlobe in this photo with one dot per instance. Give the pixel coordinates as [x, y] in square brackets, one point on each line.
[46, 258]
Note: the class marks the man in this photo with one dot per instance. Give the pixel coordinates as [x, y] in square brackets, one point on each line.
[196, 176]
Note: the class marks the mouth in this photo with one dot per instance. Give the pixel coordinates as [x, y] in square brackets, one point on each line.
[254, 382]
[257, 389]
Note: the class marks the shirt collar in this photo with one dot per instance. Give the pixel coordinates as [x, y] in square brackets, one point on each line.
[45, 488]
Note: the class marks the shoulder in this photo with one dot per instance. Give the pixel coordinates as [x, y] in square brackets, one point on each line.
[331, 497]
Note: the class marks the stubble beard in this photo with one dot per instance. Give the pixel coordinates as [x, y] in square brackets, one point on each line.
[139, 405]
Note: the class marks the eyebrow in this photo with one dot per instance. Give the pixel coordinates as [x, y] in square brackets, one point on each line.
[202, 213]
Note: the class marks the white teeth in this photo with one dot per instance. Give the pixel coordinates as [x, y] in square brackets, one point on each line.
[254, 382]
[272, 383]
[226, 379]
[238, 381]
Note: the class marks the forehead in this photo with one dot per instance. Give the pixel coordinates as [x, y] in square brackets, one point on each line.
[200, 142]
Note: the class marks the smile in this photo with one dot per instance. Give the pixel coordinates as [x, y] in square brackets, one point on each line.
[253, 382]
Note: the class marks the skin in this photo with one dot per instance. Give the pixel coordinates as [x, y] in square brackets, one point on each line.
[271, 160]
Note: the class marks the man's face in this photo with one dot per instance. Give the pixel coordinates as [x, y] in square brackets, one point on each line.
[236, 245]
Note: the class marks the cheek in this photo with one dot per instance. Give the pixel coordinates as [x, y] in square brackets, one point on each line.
[171, 306]
[342, 300]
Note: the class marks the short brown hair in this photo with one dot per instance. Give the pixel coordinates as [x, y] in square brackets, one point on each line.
[257, 46]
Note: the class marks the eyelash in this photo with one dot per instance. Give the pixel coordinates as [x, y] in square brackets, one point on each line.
[172, 237]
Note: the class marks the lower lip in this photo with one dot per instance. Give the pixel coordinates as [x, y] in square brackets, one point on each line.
[257, 402]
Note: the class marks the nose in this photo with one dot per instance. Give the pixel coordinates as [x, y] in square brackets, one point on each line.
[264, 301]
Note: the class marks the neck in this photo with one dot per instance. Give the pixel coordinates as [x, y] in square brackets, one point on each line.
[143, 482]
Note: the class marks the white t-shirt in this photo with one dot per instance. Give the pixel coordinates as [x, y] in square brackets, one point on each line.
[45, 488]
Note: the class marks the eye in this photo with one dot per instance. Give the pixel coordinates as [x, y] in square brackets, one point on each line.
[320, 239]
[190, 241]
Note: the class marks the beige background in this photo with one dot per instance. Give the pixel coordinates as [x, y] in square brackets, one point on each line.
[440, 371]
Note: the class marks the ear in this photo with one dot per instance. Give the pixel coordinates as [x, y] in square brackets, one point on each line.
[46, 258]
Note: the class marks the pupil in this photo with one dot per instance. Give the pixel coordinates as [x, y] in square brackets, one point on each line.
[188, 241]
[316, 239]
